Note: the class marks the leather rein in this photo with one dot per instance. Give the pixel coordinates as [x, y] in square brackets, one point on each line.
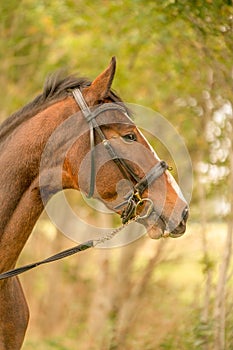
[132, 200]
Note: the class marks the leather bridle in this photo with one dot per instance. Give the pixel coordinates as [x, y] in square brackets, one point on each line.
[133, 199]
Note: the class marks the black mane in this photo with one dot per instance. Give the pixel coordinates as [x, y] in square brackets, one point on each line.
[56, 88]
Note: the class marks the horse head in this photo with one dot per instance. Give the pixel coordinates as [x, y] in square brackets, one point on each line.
[119, 167]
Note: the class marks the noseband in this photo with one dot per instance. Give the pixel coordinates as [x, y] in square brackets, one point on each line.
[133, 199]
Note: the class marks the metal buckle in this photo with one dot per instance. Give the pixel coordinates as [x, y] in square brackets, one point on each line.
[137, 196]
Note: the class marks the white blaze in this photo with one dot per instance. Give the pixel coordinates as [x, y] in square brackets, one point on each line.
[175, 186]
[170, 178]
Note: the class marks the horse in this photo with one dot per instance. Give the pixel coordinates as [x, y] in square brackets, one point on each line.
[92, 126]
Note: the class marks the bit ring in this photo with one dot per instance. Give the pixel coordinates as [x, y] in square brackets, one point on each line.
[149, 209]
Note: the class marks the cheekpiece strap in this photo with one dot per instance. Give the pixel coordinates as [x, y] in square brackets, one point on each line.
[78, 96]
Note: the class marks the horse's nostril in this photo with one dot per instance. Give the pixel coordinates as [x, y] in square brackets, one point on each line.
[185, 214]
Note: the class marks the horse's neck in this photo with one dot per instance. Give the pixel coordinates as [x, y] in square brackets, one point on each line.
[21, 203]
[19, 227]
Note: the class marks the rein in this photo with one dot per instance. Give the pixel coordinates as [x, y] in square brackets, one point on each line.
[74, 250]
[133, 200]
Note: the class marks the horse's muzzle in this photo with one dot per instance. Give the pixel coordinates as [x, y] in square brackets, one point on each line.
[181, 228]
[158, 227]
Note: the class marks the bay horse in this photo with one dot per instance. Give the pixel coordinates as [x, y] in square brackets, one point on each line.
[82, 115]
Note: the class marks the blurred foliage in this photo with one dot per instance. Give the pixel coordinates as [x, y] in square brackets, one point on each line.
[174, 56]
[166, 52]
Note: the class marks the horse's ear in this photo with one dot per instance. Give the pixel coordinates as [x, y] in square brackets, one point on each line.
[100, 87]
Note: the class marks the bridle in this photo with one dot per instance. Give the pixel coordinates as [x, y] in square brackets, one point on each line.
[133, 199]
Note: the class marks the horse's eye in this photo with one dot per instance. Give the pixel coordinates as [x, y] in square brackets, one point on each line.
[129, 137]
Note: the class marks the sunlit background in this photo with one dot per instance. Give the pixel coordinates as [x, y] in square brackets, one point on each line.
[174, 57]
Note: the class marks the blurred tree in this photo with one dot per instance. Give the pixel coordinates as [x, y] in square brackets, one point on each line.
[173, 56]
